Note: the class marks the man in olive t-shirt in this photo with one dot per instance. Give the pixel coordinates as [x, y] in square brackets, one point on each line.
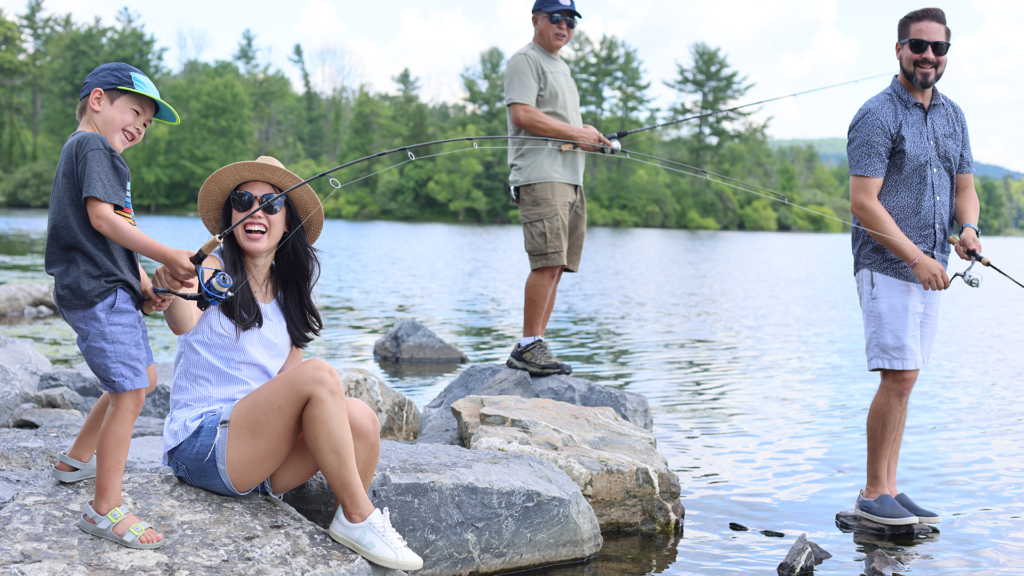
[543, 101]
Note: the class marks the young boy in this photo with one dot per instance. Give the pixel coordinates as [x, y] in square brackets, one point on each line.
[92, 243]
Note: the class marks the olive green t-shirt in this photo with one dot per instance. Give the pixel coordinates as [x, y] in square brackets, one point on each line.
[537, 77]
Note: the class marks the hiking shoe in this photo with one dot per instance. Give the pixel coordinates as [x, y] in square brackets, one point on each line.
[536, 359]
[376, 540]
[884, 509]
[926, 516]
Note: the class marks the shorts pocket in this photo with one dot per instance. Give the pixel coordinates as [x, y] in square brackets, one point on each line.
[542, 229]
[180, 470]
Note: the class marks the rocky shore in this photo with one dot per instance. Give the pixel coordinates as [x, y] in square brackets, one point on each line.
[500, 472]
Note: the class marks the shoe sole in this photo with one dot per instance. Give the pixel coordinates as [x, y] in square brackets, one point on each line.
[516, 365]
[887, 521]
[379, 560]
[929, 519]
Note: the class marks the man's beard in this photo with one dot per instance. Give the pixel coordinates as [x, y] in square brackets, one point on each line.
[911, 74]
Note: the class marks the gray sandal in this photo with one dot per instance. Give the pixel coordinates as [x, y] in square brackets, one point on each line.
[104, 528]
[85, 469]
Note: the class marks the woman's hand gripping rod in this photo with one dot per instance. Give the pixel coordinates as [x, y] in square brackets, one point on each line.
[970, 279]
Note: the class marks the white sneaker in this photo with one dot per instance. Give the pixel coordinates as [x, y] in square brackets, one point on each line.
[375, 540]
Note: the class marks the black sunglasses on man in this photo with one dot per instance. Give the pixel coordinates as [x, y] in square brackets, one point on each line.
[556, 19]
[918, 46]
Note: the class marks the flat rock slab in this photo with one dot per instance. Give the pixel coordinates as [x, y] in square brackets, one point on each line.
[437, 426]
[848, 521]
[410, 341]
[46, 418]
[147, 426]
[472, 511]
[206, 534]
[399, 417]
[614, 463]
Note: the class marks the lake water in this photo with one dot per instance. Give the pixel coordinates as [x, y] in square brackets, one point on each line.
[749, 347]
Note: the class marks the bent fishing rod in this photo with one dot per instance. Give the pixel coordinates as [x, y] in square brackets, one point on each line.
[972, 280]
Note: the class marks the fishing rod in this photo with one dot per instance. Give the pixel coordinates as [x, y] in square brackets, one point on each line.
[972, 280]
[614, 136]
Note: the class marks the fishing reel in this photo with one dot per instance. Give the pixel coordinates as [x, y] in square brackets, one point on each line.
[971, 279]
[213, 291]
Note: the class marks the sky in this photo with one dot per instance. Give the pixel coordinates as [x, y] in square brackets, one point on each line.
[783, 46]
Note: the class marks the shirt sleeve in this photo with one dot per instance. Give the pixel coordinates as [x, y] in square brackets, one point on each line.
[522, 81]
[103, 175]
[868, 144]
[966, 163]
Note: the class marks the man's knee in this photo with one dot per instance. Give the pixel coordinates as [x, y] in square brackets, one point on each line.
[548, 272]
[899, 382]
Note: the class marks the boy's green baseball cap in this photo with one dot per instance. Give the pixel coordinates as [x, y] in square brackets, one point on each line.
[127, 77]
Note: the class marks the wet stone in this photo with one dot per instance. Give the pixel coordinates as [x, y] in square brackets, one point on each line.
[848, 521]
[878, 563]
[802, 557]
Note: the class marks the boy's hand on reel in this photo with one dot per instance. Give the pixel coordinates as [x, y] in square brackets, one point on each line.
[180, 264]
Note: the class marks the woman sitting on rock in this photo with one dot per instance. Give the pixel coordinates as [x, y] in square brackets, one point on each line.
[247, 413]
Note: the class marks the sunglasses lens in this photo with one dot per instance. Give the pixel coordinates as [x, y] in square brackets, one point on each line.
[556, 19]
[241, 200]
[940, 48]
[917, 46]
[271, 207]
[570, 22]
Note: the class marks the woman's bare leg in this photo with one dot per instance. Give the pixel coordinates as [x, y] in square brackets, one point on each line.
[85, 443]
[308, 400]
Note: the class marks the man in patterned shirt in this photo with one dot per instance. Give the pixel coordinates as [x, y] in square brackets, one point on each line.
[910, 176]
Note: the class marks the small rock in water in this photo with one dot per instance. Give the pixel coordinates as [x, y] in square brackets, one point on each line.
[878, 563]
[773, 534]
[408, 340]
[802, 558]
[738, 527]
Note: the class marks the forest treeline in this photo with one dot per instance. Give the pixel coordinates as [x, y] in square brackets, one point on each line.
[239, 109]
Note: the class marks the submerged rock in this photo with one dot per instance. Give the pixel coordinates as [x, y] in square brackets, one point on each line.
[878, 563]
[848, 521]
[206, 534]
[472, 511]
[20, 369]
[614, 463]
[410, 341]
[438, 426]
[803, 556]
[398, 415]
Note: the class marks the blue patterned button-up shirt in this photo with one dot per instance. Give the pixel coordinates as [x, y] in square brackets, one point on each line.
[918, 152]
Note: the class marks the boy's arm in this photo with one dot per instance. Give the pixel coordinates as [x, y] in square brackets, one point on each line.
[117, 229]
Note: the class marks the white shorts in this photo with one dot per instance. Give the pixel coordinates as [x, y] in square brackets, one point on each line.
[900, 321]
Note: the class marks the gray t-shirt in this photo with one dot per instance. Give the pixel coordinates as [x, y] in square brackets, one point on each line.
[537, 77]
[85, 265]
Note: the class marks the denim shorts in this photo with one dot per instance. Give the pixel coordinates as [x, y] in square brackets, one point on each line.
[201, 459]
[113, 339]
[901, 320]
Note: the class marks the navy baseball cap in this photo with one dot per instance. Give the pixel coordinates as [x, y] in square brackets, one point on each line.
[552, 6]
[126, 77]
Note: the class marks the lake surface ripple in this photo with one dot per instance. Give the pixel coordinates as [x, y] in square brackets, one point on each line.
[749, 347]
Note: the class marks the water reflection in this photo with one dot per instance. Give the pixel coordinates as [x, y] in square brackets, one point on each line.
[749, 347]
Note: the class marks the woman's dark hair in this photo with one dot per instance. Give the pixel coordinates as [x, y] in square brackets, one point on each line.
[923, 15]
[293, 274]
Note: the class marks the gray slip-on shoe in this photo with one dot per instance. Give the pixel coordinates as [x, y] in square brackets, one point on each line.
[926, 516]
[884, 509]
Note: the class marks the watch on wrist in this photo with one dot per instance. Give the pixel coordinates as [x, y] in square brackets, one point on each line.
[972, 227]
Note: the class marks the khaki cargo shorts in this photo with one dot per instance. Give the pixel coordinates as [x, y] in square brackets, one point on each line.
[554, 217]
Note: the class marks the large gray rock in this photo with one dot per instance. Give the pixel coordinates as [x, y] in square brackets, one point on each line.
[206, 534]
[46, 418]
[148, 426]
[410, 341]
[472, 511]
[615, 463]
[146, 453]
[60, 397]
[80, 379]
[631, 406]
[398, 415]
[26, 456]
[19, 298]
[20, 369]
[437, 426]
[158, 402]
[802, 557]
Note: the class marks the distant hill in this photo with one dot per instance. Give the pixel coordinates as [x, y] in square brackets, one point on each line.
[833, 151]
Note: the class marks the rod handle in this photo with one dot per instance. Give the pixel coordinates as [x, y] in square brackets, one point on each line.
[984, 261]
[206, 250]
[147, 307]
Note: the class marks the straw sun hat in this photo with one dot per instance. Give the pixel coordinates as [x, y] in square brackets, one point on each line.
[218, 187]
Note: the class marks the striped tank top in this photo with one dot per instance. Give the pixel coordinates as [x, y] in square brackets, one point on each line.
[215, 366]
